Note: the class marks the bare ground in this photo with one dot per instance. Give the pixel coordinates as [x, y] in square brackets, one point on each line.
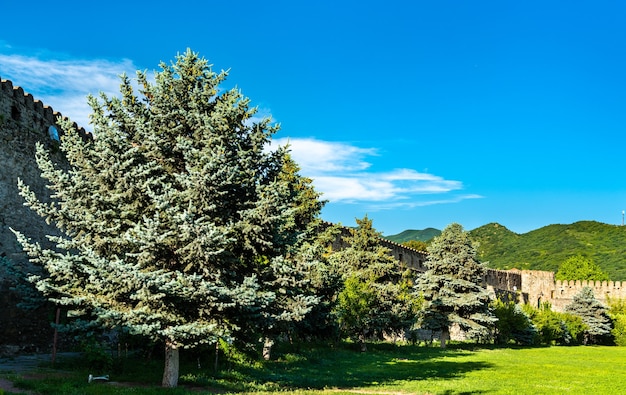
[22, 366]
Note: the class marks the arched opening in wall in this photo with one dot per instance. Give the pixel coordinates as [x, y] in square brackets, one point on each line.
[400, 257]
[15, 113]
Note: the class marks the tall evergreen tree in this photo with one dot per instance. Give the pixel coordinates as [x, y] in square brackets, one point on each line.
[177, 220]
[594, 315]
[376, 296]
[452, 287]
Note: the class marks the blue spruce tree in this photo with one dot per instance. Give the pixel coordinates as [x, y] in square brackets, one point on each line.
[178, 222]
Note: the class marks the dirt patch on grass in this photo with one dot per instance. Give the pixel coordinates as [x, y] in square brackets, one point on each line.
[7, 386]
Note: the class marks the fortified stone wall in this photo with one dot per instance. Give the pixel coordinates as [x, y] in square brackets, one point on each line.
[504, 284]
[526, 286]
[409, 257]
[602, 289]
[538, 285]
[561, 293]
[23, 122]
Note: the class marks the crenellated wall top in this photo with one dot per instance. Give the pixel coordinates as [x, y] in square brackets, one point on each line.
[587, 283]
[27, 101]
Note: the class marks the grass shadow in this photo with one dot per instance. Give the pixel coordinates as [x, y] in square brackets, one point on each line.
[305, 367]
[346, 368]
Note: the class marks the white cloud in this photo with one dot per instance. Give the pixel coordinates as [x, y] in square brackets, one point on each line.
[321, 157]
[342, 173]
[64, 84]
[423, 202]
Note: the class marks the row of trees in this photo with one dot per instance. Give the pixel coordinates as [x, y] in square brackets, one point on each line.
[585, 321]
[178, 224]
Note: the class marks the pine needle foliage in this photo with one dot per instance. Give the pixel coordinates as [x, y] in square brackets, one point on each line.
[177, 219]
[452, 287]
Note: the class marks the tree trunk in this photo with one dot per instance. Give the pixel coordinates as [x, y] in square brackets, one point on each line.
[170, 371]
[362, 342]
[217, 355]
[445, 335]
[267, 348]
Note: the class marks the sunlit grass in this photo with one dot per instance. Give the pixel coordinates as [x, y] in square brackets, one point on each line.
[385, 369]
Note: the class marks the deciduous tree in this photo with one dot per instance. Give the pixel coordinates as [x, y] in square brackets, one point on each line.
[177, 219]
[580, 268]
[513, 323]
[617, 312]
[452, 287]
[416, 245]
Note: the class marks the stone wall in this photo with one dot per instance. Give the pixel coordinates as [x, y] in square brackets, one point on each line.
[409, 257]
[526, 286]
[23, 122]
[561, 293]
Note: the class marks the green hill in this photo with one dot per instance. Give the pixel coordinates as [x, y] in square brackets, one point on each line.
[421, 235]
[546, 248]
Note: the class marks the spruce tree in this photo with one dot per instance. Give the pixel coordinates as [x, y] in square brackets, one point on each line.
[375, 297]
[178, 222]
[594, 315]
[452, 287]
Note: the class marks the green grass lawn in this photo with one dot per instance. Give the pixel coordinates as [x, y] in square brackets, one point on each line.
[385, 369]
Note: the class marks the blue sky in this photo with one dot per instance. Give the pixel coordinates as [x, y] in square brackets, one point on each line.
[416, 113]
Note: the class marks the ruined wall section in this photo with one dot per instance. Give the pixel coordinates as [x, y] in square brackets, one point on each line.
[504, 284]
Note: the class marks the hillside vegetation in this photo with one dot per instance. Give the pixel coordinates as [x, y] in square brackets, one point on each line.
[412, 234]
[546, 248]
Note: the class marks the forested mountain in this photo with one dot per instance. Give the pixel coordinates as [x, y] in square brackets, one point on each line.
[544, 248]
[411, 234]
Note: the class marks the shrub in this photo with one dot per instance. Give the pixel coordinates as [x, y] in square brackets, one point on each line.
[619, 329]
[576, 327]
[554, 327]
[96, 355]
[617, 312]
[513, 324]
